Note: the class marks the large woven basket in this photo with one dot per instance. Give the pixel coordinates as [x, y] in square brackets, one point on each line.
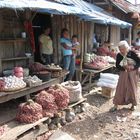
[43, 75]
[56, 73]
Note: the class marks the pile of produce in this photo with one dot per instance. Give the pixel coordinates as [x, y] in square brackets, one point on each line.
[61, 95]
[53, 66]
[29, 112]
[32, 81]
[3, 129]
[2, 84]
[48, 103]
[75, 90]
[18, 72]
[36, 67]
[97, 62]
[11, 83]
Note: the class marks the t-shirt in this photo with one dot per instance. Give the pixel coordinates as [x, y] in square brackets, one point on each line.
[47, 47]
[77, 46]
[69, 44]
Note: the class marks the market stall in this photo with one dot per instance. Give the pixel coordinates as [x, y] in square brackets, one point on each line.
[92, 66]
[26, 91]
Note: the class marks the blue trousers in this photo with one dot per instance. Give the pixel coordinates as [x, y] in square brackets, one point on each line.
[69, 64]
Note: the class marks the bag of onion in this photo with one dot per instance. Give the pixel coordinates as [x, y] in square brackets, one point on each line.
[61, 95]
[48, 103]
[29, 112]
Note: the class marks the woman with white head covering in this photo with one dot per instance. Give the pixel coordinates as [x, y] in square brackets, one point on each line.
[127, 62]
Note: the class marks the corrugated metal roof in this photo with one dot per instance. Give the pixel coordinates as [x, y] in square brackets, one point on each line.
[39, 4]
[80, 8]
[125, 6]
[91, 9]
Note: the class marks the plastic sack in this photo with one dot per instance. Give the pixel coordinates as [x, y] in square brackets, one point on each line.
[75, 90]
[109, 76]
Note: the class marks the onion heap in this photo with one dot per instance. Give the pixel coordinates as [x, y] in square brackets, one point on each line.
[61, 95]
[29, 112]
[13, 82]
[48, 103]
[2, 85]
[3, 129]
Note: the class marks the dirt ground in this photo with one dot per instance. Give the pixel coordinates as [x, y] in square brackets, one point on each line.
[97, 123]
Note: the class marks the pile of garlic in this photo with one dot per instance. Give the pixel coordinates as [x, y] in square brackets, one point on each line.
[13, 82]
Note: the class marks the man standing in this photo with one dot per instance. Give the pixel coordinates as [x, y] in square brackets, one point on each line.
[46, 48]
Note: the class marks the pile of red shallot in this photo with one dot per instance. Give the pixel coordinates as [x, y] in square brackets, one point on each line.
[29, 112]
[3, 129]
[61, 95]
[2, 85]
[48, 103]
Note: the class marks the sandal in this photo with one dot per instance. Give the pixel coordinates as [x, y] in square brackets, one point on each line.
[133, 108]
[113, 109]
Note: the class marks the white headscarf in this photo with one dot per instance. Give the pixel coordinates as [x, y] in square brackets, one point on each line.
[124, 44]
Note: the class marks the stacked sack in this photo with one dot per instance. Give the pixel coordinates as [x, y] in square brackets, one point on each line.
[108, 80]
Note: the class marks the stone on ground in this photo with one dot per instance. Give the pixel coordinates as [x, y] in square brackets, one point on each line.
[60, 135]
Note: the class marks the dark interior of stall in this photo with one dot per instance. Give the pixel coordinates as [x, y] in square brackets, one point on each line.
[40, 21]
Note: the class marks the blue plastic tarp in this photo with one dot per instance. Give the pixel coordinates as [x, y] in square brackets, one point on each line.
[80, 8]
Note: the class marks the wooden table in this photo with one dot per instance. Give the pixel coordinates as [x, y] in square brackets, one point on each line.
[88, 74]
[6, 96]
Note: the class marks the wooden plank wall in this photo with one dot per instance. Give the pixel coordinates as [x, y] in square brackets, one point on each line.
[11, 28]
[83, 29]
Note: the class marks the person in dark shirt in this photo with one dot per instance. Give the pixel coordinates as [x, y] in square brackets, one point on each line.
[127, 62]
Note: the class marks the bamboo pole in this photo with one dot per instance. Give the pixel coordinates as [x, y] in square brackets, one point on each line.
[130, 36]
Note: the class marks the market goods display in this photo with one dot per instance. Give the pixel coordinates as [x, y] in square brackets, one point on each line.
[53, 67]
[32, 81]
[55, 70]
[48, 103]
[61, 95]
[3, 129]
[18, 72]
[108, 80]
[43, 75]
[29, 112]
[97, 62]
[36, 67]
[2, 84]
[110, 59]
[75, 90]
[11, 83]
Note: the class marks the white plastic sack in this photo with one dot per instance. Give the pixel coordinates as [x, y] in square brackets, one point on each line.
[103, 84]
[75, 90]
[109, 76]
[114, 82]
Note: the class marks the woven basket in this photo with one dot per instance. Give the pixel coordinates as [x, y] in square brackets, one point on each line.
[56, 73]
[43, 75]
[13, 89]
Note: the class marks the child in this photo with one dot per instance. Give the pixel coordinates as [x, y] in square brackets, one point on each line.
[75, 46]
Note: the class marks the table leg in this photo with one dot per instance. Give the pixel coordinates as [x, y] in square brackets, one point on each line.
[90, 80]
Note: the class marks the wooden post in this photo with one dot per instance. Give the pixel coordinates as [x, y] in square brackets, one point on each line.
[130, 36]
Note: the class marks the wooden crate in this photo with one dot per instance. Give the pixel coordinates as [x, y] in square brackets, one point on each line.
[108, 92]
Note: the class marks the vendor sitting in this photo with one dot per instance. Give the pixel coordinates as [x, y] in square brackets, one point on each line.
[106, 50]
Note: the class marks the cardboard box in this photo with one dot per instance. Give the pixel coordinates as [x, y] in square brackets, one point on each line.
[108, 92]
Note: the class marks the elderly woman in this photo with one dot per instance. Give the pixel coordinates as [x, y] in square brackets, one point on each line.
[127, 62]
